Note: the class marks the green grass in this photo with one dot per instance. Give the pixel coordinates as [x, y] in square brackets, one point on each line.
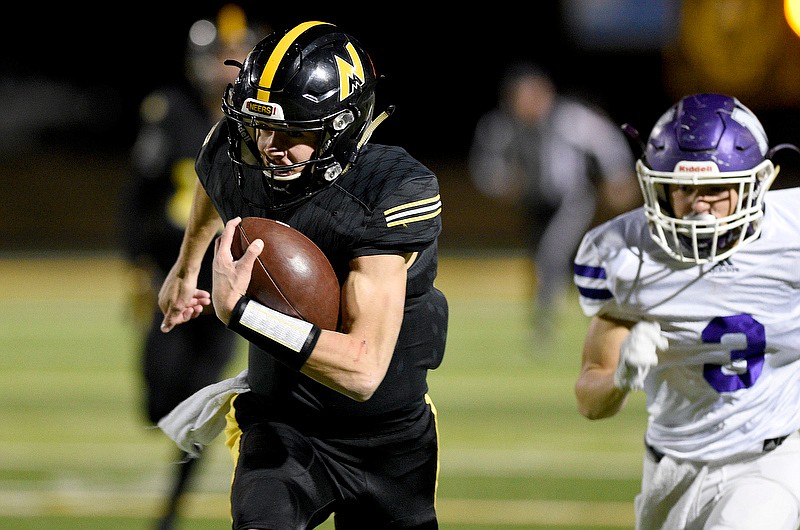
[515, 454]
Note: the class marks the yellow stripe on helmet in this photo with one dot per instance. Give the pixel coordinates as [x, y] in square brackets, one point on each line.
[268, 74]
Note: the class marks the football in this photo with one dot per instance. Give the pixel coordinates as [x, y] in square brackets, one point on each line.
[292, 275]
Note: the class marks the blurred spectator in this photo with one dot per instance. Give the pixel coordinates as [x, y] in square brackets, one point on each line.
[155, 207]
[557, 158]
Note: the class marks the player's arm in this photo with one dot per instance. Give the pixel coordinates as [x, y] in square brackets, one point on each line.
[353, 361]
[179, 298]
[608, 145]
[620, 193]
[595, 391]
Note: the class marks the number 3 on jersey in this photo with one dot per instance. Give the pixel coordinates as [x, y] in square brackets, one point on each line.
[745, 366]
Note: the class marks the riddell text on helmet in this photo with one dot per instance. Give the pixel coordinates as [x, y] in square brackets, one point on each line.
[694, 167]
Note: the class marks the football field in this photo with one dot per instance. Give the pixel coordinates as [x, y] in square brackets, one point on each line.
[75, 452]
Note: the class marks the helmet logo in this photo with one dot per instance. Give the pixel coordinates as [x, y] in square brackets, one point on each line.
[351, 73]
[707, 167]
[262, 109]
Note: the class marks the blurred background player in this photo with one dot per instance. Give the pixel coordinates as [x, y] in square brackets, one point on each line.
[562, 161]
[155, 206]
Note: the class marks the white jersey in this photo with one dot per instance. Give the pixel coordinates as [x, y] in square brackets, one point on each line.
[731, 376]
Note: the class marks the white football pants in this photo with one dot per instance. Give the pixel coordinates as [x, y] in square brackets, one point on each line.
[750, 493]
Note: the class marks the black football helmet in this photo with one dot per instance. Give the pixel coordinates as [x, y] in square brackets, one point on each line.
[311, 78]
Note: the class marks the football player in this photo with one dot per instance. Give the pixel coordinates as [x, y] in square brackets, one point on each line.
[558, 158]
[154, 210]
[695, 299]
[333, 422]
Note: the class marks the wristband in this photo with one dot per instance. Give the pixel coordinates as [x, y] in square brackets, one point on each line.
[288, 339]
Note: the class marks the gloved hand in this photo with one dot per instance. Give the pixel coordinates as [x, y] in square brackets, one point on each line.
[637, 355]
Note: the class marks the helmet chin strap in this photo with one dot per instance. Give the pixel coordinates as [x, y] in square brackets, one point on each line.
[374, 125]
[248, 141]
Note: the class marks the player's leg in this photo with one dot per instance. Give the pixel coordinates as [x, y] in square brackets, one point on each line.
[176, 365]
[183, 473]
[398, 483]
[669, 489]
[555, 255]
[165, 357]
[761, 493]
[559, 242]
[756, 503]
[279, 479]
[538, 219]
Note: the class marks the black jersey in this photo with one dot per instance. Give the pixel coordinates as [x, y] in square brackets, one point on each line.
[157, 199]
[387, 203]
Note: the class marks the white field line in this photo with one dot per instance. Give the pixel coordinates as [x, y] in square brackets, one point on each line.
[563, 464]
[128, 459]
[215, 505]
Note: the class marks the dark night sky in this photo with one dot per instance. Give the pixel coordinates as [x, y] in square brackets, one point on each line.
[70, 91]
[440, 70]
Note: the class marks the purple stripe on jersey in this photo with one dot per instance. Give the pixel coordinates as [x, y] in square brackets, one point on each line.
[590, 272]
[594, 294]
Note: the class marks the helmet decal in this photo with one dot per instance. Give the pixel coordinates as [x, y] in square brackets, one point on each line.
[268, 74]
[262, 109]
[351, 73]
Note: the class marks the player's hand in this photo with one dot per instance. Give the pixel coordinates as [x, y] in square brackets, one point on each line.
[180, 300]
[231, 277]
[637, 355]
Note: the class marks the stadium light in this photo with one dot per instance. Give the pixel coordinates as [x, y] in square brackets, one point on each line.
[791, 10]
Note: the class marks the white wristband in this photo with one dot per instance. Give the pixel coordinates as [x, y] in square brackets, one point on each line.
[290, 340]
[285, 330]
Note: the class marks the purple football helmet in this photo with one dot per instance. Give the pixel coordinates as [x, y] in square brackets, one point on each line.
[705, 139]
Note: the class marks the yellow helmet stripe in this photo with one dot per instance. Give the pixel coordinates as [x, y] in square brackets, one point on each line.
[268, 74]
